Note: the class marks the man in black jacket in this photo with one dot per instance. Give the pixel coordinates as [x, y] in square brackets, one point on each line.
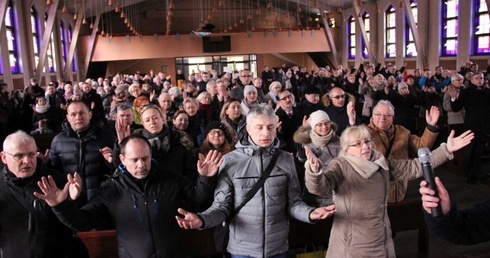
[28, 228]
[138, 199]
[475, 100]
[84, 148]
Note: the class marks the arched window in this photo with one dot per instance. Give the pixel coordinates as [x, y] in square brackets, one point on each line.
[70, 38]
[51, 54]
[367, 27]
[481, 28]
[11, 31]
[64, 44]
[449, 29]
[390, 31]
[36, 31]
[351, 31]
[410, 48]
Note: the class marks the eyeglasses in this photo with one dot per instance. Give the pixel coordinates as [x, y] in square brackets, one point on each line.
[359, 143]
[326, 124]
[287, 97]
[383, 115]
[339, 96]
[245, 76]
[21, 156]
[216, 133]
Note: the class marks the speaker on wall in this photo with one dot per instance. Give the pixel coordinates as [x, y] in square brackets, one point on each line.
[216, 44]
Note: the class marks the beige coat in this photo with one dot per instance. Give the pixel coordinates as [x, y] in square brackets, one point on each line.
[405, 146]
[361, 226]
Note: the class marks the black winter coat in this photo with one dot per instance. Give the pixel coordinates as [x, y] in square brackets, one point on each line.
[168, 152]
[143, 211]
[28, 226]
[79, 152]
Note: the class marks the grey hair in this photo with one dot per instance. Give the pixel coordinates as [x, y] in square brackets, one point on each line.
[262, 109]
[21, 136]
[386, 103]
[456, 76]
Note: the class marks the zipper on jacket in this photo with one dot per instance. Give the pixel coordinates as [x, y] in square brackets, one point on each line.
[263, 202]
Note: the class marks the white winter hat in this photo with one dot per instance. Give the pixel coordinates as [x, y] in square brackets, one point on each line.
[248, 89]
[318, 116]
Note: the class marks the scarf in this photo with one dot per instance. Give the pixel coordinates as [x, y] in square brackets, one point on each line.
[159, 142]
[321, 140]
[366, 168]
[42, 109]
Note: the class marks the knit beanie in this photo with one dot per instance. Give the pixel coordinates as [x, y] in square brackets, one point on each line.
[318, 116]
[248, 89]
[274, 84]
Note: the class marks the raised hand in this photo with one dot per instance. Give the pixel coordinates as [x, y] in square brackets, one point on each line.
[189, 221]
[107, 153]
[428, 199]
[209, 165]
[123, 129]
[44, 157]
[351, 113]
[306, 120]
[75, 185]
[279, 124]
[432, 115]
[312, 160]
[453, 92]
[454, 144]
[323, 212]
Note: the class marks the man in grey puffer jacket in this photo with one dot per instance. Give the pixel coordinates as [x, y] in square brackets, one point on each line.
[261, 228]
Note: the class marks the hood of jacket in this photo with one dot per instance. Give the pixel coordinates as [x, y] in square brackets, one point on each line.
[302, 135]
[247, 146]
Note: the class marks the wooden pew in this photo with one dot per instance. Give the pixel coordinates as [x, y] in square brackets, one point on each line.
[405, 215]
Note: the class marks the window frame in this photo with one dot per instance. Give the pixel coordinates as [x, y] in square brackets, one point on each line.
[12, 42]
[351, 37]
[391, 10]
[408, 32]
[477, 20]
[365, 16]
[445, 20]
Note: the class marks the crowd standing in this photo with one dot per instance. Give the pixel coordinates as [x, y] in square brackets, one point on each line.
[178, 130]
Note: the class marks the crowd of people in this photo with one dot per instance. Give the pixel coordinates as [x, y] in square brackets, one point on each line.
[125, 144]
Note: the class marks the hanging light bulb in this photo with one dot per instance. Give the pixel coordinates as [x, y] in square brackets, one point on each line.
[48, 2]
[171, 6]
[110, 3]
[241, 21]
[249, 17]
[258, 12]
[64, 9]
[269, 5]
[126, 20]
[118, 9]
[84, 21]
[298, 9]
[75, 16]
[221, 3]
[91, 25]
[123, 15]
[235, 24]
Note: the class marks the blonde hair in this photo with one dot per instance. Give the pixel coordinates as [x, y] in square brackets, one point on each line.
[353, 134]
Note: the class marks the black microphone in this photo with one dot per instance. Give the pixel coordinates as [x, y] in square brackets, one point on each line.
[424, 158]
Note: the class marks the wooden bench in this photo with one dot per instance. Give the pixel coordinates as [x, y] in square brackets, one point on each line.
[405, 215]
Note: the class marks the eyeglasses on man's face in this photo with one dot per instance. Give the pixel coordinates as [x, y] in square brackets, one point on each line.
[287, 97]
[245, 76]
[21, 156]
[378, 115]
